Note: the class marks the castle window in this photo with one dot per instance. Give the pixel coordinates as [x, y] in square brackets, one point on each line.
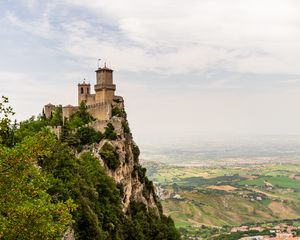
[82, 90]
[88, 90]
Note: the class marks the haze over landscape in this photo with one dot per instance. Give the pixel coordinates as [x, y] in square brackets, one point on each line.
[192, 132]
[208, 67]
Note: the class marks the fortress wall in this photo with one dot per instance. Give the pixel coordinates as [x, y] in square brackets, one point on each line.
[101, 111]
[91, 99]
[56, 130]
[99, 125]
[68, 111]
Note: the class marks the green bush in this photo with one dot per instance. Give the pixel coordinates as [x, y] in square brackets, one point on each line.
[56, 118]
[148, 226]
[109, 132]
[80, 118]
[136, 152]
[126, 127]
[141, 172]
[118, 112]
[110, 156]
[88, 135]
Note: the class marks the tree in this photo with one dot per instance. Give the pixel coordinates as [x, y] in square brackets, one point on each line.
[26, 209]
[6, 112]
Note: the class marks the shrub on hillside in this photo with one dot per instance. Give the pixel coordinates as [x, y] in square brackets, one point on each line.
[135, 152]
[118, 112]
[126, 127]
[88, 135]
[109, 132]
[110, 156]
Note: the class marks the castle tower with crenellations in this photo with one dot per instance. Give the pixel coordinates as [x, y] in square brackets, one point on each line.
[105, 89]
[99, 104]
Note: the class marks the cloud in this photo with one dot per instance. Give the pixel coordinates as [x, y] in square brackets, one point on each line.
[178, 36]
[40, 27]
[174, 36]
[199, 65]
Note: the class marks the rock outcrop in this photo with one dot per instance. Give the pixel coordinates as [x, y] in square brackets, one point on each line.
[128, 173]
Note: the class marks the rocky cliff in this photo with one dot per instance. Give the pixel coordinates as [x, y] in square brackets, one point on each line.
[127, 172]
[101, 172]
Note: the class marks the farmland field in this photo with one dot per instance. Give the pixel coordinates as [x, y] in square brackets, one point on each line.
[218, 196]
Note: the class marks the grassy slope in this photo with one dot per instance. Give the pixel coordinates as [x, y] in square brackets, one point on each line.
[215, 208]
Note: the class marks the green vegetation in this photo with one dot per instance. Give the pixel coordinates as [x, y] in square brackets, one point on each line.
[109, 132]
[6, 133]
[110, 156]
[141, 172]
[87, 135]
[238, 235]
[26, 208]
[45, 187]
[118, 112]
[279, 181]
[79, 118]
[227, 196]
[135, 152]
[126, 127]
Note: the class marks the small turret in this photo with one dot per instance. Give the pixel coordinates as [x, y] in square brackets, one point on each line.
[84, 90]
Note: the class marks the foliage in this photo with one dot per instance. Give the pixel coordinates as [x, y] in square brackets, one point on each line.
[238, 235]
[141, 172]
[42, 182]
[278, 181]
[34, 125]
[135, 152]
[116, 111]
[126, 127]
[110, 156]
[80, 118]
[76, 134]
[56, 119]
[109, 132]
[147, 226]
[88, 135]
[26, 209]
[6, 112]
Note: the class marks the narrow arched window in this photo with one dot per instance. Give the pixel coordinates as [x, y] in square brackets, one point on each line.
[88, 90]
[82, 90]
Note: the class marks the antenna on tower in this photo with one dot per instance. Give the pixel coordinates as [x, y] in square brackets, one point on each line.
[99, 62]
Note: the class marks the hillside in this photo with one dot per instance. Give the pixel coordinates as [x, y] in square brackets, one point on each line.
[82, 183]
[226, 197]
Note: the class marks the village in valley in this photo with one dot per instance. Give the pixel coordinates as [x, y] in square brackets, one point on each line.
[259, 201]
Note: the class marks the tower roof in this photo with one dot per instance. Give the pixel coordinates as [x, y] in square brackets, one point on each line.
[84, 84]
[68, 106]
[104, 69]
[49, 105]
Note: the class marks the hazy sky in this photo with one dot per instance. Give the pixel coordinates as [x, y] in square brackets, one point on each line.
[184, 67]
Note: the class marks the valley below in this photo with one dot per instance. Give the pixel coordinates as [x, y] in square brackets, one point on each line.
[218, 201]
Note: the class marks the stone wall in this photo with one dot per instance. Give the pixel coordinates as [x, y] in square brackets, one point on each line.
[100, 111]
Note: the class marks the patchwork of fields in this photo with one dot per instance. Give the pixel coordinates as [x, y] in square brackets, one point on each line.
[218, 196]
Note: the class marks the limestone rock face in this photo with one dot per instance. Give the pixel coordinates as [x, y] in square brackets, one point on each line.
[69, 234]
[127, 173]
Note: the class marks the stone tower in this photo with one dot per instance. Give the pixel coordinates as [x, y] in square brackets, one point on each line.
[84, 91]
[105, 89]
[48, 110]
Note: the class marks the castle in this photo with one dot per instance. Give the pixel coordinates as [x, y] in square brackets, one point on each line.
[99, 105]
